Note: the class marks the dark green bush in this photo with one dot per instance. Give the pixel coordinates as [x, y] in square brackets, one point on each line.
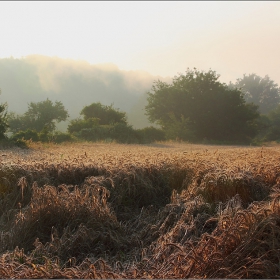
[77, 125]
[150, 134]
[44, 136]
[60, 137]
[95, 133]
[119, 132]
[28, 134]
[20, 143]
[123, 133]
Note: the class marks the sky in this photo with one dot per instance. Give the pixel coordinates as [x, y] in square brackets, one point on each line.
[161, 37]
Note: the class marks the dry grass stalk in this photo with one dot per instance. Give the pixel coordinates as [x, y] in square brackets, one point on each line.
[127, 211]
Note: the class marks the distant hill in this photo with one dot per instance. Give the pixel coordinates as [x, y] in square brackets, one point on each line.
[76, 84]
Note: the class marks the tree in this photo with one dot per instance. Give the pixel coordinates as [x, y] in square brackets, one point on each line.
[16, 122]
[3, 119]
[77, 125]
[272, 128]
[105, 114]
[263, 92]
[39, 116]
[197, 106]
[97, 114]
[102, 122]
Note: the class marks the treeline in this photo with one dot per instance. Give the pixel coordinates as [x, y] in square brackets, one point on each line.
[97, 122]
[195, 107]
[35, 78]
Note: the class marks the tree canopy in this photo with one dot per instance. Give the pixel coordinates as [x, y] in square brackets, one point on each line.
[263, 92]
[105, 114]
[197, 106]
[272, 125]
[97, 114]
[39, 116]
[3, 119]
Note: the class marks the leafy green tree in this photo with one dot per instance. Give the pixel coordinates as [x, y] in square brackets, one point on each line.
[39, 116]
[197, 106]
[94, 116]
[272, 127]
[16, 122]
[263, 92]
[105, 114]
[101, 122]
[77, 125]
[3, 119]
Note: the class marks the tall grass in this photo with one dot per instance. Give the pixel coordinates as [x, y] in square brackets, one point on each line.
[167, 210]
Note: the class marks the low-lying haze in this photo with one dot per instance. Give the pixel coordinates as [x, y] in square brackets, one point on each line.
[76, 84]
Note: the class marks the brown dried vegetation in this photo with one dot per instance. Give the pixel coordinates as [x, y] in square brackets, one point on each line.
[127, 211]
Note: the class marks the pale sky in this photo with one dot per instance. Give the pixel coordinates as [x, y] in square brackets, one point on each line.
[161, 37]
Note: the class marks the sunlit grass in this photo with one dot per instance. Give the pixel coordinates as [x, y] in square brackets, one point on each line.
[164, 210]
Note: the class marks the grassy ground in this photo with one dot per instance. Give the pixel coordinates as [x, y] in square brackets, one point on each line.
[166, 210]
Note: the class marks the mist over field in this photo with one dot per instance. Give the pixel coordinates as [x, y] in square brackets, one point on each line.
[76, 84]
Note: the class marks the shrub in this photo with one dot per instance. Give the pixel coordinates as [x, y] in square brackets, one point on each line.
[95, 133]
[119, 132]
[77, 125]
[123, 133]
[28, 134]
[60, 137]
[150, 134]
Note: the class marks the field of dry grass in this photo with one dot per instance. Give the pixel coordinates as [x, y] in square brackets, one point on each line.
[167, 210]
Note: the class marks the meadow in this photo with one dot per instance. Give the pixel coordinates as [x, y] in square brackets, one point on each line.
[165, 210]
